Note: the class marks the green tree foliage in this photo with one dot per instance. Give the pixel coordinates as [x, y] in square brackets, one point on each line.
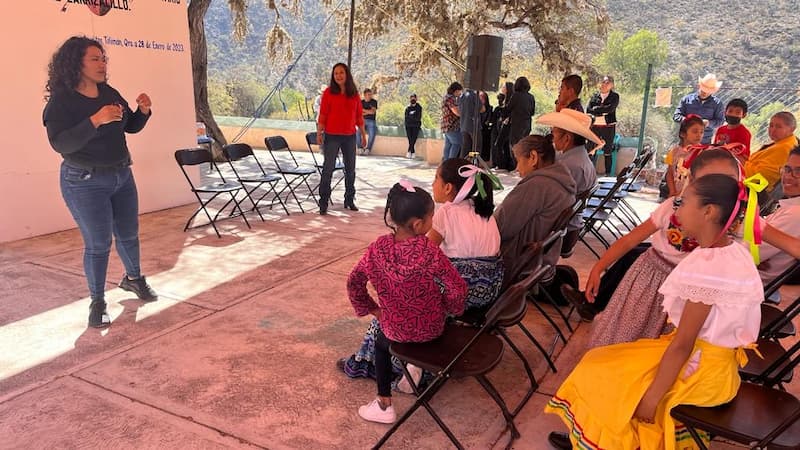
[626, 58]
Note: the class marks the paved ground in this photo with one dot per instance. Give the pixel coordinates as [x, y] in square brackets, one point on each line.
[239, 350]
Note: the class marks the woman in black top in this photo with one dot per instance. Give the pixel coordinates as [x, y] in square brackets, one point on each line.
[603, 107]
[501, 154]
[86, 122]
[520, 111]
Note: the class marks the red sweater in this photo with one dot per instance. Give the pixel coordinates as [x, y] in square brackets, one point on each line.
[739, 135]
[407, 276]
[340, 114]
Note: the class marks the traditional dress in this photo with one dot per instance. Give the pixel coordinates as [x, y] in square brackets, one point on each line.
[598, 399]
[634, 310]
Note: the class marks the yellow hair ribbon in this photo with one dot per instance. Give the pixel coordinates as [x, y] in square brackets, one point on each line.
[752, 232]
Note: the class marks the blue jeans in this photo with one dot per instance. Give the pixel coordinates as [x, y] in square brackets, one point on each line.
[371, 128]
[103, 202]
[452, 145]
[331, 145]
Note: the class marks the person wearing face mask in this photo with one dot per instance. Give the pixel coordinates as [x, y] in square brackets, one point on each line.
[570, 133]
[413, 123]
[734, 131]
[704, 104]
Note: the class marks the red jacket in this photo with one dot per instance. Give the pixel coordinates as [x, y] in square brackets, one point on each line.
[340, 114]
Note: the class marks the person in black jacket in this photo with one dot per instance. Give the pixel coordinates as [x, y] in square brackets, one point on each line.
[86, 122]
[413, 123]
[603, 107]
[501, 156]
[520, 110]
[486, 127]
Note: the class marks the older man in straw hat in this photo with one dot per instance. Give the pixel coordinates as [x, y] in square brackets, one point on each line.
[570, 133]
[704, 104]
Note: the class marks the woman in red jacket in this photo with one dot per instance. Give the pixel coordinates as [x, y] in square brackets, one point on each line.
[340, 113]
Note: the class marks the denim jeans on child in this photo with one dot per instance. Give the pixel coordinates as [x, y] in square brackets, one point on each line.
[103, 202]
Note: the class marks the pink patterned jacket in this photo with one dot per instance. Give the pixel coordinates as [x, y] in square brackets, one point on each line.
[407, 275]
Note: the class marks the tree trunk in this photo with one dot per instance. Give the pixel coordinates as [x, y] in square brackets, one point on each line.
[199, 50]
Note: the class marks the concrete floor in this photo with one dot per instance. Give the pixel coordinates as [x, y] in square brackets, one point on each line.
[239, 350]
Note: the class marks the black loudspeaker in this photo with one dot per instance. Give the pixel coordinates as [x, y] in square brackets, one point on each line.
[484, 53]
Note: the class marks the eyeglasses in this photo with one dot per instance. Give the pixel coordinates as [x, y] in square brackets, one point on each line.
[795, 171]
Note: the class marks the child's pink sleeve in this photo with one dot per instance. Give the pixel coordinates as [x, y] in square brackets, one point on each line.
[455, 288]
[357, 288]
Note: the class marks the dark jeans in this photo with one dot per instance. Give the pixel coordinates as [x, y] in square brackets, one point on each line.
[412, 133]
[452, 145]
[607, 133]
[103, 202]
[614, 275]
[383, 364]
[330, 147]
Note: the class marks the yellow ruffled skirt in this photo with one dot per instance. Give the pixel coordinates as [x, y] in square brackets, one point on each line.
[598, 399]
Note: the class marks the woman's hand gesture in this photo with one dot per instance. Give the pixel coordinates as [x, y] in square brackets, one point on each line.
[107, 114]
[144, 102]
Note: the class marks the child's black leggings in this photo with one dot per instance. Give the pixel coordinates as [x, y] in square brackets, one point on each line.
[383, 365]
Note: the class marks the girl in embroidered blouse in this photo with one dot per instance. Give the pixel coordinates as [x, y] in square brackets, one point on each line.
[690, 133]
[713, 297]
[417, 287]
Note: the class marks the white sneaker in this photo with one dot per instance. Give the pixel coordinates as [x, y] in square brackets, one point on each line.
[403, 385]
[373, 412]
[410, 155]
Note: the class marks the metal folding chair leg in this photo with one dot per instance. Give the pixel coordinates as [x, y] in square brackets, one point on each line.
[538, 345]
[534, 385]
[422, 400]
[492, 391]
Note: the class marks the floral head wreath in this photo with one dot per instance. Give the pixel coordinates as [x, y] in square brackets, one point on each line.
[473, 173]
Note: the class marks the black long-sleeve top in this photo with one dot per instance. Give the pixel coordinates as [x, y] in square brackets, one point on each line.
[413, 115]
[598, 106]
[71, 133]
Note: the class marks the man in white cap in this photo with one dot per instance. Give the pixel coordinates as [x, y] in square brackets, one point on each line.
[570, 133]
[704, 104]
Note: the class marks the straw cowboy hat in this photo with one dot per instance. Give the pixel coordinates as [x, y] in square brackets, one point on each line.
[709, 83]
[572, 121]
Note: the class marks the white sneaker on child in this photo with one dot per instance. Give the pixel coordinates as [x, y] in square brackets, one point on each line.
[403, 385]
[373, 412]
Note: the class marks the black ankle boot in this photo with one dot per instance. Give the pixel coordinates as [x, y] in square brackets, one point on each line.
[351, 206]
[98, 316]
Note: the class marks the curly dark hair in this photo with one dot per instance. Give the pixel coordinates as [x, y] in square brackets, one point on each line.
[64, 70]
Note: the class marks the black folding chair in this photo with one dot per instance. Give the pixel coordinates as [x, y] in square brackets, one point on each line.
[462, 351]
[311, 141]
[760, 416]
[620, 197]
[250, 176]
[777, 323]
[294, 177]
[197, 156]
[595, 218]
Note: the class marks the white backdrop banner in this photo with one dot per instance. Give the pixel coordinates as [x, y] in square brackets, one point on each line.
[147, 42]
